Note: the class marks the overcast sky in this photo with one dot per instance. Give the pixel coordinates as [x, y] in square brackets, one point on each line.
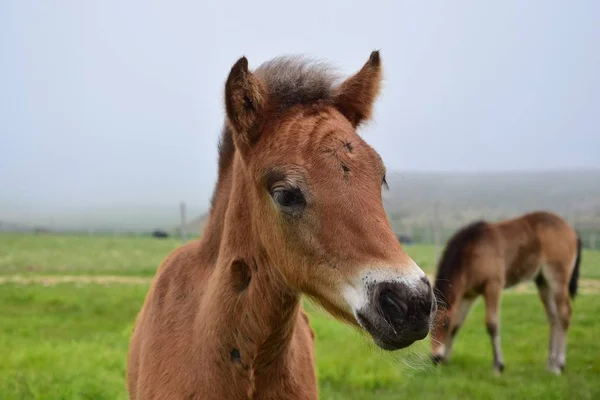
[112, 103]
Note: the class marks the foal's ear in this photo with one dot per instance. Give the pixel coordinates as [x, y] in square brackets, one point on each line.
[245, 98]
[357, 94]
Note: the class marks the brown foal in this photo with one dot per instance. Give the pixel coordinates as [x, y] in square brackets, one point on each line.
[297, 209]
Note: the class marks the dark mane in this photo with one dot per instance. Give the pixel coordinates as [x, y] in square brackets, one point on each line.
[294, 80]
[290, 81]
[453, 258]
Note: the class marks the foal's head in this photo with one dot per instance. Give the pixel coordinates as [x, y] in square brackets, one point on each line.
[315, 195]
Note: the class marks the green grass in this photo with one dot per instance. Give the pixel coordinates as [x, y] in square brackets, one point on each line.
[82, 255]
[350, 368]
[70, 342]
[65, 342]
[140, 256]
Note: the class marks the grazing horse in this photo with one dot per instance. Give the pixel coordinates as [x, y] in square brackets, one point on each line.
[484, 258]
[297, 209]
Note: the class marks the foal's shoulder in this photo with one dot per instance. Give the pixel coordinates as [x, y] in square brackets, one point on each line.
[182, 257]
[181, 270]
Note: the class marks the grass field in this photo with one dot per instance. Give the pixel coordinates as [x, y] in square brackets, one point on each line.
[82, 255]
[139, 256]
[69, 341]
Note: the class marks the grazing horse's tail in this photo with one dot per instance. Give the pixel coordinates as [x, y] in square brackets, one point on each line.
[575, 273]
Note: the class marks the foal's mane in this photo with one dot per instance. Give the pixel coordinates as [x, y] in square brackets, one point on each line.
[290, 81]
[453, 258]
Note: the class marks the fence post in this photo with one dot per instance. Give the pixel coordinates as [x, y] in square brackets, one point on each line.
[593, 240]
[183, 228]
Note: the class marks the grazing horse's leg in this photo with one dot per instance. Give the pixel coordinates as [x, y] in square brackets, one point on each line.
[558, 309]
[563, 307]
[460, 314]
[551, 312]
[492, 293]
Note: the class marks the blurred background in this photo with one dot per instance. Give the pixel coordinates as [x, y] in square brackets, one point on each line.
[110, 114]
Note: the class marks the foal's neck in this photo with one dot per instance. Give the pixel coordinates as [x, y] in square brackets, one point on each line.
[264, 315]
[256, 310]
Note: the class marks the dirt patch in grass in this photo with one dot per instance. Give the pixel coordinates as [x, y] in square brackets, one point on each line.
[586, 286]
[84, 279]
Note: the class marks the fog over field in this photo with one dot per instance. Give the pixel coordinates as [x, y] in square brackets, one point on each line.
[462, 197]
[110, 112]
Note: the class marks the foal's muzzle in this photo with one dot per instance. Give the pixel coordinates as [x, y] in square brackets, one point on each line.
[398, 313]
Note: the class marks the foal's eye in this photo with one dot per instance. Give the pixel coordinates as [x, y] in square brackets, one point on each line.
[384, 183]
[289, 198]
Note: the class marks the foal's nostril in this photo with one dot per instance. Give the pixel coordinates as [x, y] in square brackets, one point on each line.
[401, 304]
[399, 312]
[392, 305]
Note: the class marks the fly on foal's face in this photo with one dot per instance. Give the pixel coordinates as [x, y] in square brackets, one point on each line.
[319, 211]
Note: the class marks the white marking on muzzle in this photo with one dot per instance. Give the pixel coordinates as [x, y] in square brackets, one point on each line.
[357, 294]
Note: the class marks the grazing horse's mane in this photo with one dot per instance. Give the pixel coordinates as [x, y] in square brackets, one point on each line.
[290, 81]
[452, 259]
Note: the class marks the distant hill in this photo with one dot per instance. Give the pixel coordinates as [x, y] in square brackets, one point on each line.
[8, 226]
[410, 201]
[464, 197]
[114, 219]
